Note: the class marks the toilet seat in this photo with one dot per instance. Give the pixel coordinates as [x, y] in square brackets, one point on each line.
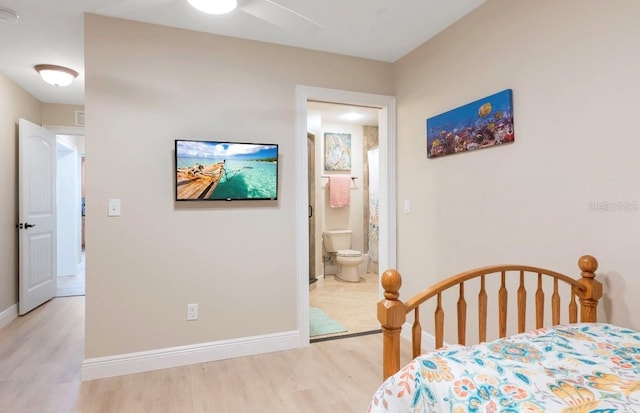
[348, 262]
[349, 253]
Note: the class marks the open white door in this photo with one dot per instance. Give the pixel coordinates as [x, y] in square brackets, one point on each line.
[37, 215]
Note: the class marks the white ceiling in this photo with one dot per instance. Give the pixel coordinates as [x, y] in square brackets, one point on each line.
[51, 31]
[338, 113]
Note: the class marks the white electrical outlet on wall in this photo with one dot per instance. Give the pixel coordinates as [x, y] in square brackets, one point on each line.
[192, 312]
[114, 207]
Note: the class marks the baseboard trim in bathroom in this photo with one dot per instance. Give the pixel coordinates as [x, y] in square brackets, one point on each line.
[363, 333]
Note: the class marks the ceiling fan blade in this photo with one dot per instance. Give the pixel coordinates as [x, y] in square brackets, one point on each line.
[281, 16]
[127, 6]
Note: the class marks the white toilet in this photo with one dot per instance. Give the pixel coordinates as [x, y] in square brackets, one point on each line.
[338, 242]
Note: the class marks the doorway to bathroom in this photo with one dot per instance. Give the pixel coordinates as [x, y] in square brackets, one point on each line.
[341, 302]
[322, 115]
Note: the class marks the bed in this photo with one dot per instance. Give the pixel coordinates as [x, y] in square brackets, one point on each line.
[574, 366]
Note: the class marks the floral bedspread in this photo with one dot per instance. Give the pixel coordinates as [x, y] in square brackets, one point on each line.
[579, 368]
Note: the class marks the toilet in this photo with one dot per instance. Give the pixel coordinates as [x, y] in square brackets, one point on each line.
[338, 242]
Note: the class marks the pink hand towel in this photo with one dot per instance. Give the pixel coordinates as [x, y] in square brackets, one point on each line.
[339, 191]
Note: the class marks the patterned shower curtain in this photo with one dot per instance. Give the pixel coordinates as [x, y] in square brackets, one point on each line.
[374, 230]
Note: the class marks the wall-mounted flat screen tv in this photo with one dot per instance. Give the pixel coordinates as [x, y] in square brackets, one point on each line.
[225, 171]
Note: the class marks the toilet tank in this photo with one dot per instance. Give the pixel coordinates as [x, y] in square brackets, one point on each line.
[337, 240]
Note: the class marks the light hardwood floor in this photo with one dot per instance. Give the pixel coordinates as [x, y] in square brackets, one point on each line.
[41, 355]
[40, 358]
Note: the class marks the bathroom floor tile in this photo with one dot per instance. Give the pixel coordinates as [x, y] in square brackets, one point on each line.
[351, 304]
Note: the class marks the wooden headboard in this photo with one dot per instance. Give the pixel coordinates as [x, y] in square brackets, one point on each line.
[392, 312]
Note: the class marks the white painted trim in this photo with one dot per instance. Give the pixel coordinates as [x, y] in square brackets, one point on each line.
[387, 144]
[65, 130]
[428, 341]
[387, 205]
[101, 367]
[8, 315]
[302, 216]
[70, 147]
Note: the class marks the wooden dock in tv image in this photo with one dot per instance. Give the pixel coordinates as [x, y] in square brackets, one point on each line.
[198, 181]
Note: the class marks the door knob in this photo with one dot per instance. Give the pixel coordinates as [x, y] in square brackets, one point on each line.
[27, 225]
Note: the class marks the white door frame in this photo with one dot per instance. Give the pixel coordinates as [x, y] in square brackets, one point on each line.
[387, 202]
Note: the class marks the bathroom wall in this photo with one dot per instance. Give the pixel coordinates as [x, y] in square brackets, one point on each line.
[320, 120]
[350, 217]
[369, 141]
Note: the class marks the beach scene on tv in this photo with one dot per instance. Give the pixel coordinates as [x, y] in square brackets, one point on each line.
[225, 170]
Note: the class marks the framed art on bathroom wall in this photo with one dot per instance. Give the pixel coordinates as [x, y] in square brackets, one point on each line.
[337, 151]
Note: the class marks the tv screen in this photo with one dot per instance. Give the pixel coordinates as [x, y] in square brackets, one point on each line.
[225, 171]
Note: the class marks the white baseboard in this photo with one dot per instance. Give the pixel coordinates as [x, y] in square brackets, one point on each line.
[428, 341]
[101, 367]
[8, 315]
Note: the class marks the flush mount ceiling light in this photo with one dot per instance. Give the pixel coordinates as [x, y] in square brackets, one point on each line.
[56, 75]
[352, 116]
[214, 6]
[8, 15]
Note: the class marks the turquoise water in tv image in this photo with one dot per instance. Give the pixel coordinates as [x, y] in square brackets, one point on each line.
[242, 179]
[247, 179]
[250, 170]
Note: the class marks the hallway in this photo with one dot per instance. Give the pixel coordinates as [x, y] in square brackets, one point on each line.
[69, 286]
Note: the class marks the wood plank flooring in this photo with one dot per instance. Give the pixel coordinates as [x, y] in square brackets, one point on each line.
[40, 358]
[336, 376]
[41, 355]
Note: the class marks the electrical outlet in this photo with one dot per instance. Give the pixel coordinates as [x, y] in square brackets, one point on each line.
[192, 312]
[114, 208]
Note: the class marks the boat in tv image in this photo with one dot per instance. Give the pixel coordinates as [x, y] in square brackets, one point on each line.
[225, 171]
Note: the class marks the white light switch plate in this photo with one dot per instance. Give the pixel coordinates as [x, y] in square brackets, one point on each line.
[114, 208]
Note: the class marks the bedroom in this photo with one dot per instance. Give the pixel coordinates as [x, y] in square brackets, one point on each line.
[575, 88]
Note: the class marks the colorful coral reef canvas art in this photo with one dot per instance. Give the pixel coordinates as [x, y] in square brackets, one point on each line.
[337, 151]
[484, 123]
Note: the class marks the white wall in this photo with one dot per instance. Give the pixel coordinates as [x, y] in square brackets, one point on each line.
[573, 67]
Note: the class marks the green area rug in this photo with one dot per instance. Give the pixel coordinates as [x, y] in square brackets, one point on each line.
[320, 323]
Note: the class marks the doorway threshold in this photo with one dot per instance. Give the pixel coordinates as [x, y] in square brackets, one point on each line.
[338, 337]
